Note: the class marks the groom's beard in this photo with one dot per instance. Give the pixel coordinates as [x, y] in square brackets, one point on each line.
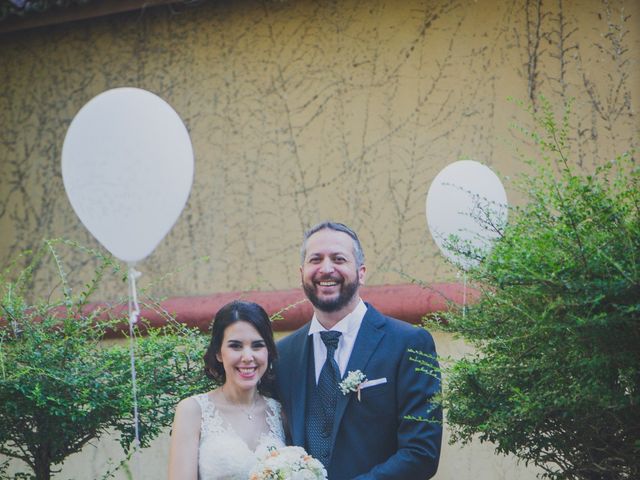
[347, 292]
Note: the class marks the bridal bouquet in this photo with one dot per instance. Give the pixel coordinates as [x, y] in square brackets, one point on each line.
[288, 463]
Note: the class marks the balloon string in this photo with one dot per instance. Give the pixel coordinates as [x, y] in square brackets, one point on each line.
[134, 312]
[464, 294]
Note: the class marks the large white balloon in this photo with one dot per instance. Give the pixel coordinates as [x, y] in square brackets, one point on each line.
[127, 166]
[466, 200]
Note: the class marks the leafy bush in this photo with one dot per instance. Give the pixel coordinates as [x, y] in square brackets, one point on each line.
[62, 386]
[555, 378]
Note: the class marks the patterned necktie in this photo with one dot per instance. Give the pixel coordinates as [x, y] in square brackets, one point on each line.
[322, 406]
[329, 378]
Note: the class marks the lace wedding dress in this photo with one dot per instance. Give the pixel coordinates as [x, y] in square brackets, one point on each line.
[223, 454]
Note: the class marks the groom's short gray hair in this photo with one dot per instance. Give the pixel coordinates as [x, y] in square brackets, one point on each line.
[337, 227]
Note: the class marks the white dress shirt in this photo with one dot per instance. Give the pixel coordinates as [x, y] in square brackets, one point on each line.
[349, 327]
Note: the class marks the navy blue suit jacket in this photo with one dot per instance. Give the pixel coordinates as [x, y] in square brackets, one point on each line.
[372, 438]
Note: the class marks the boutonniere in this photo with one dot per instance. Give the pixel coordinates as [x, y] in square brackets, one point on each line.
[353, 382]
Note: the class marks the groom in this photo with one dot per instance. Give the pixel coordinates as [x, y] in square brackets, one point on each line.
[364, 433]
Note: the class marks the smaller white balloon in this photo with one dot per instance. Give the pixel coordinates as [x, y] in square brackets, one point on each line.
[127, 167]
[468, 202]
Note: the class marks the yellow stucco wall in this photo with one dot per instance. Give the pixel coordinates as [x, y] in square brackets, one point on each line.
[305, 110]
[301, 111]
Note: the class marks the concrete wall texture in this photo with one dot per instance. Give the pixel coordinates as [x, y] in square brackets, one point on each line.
[301, 111]
[305, 110]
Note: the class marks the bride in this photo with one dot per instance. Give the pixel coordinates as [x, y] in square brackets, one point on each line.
[222, 433]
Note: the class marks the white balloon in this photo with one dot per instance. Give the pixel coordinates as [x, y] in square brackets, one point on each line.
[466, 200]
[127, 167]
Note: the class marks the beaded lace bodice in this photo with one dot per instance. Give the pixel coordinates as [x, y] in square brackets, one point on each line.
[223, 454]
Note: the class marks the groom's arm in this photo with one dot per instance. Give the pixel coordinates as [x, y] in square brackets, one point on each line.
[283, 370]
[418, 441]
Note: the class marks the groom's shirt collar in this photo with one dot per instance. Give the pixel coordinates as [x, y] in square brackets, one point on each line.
[349, 327]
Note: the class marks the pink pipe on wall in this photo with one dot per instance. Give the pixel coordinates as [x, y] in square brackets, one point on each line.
[407, 302]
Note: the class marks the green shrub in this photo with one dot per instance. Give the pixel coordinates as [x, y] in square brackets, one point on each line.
[555, 378]
[62, 386]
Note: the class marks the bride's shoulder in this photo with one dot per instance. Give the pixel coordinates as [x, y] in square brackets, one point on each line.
[195, 404]
[187, 415]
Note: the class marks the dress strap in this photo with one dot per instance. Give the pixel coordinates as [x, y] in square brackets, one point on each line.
[274, 417]
[205, 405]
[211, 421]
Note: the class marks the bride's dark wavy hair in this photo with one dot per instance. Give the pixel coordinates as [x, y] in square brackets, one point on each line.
[231, 313]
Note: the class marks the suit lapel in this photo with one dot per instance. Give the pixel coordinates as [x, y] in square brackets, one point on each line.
[367, 341]
[299, 396]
